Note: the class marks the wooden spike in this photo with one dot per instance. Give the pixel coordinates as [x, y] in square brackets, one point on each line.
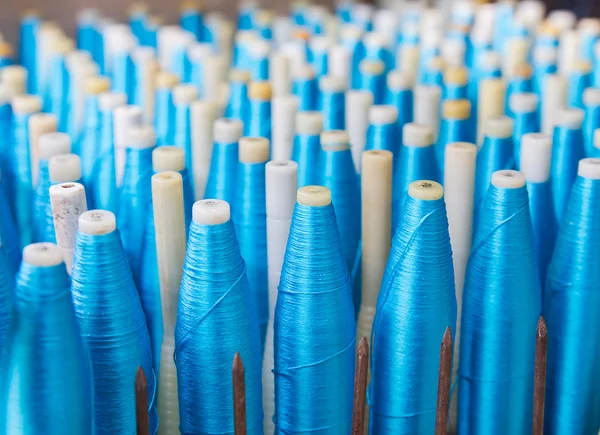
[141, 403]
[539, 388]
[360, 387]
[239, 395]
[443, 397]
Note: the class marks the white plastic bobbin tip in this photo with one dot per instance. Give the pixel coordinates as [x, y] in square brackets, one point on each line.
[64, 168]
[383, 114]
[129, 114]
[199, 51]
[42, 255]
[228, 130]
[400, 80]
[111, 100]
[96, 85]
[525, 102]
[372, 67]
[313, 196]
[536, 151]
[168, 158]
[303, 72]
[332, 84]
[52, 144]
[166, 79]
[499, 127]
[97, 222]
[571, 118]
[461, 147]
[260, 91]
[184, 94]
[490, 60]
[508, 179]
[425, 190]
[591, 97]
[239, 75]
[335, 140]
[417, 135]
[211, 212]
[253, 149]
[309, 123]
[26, 104]
[589, 168]
[141, 136]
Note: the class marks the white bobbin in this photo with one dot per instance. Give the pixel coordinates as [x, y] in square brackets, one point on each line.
[525, 102]
[309, 123]
[42, 255]
[383, 114]
[228, 130]
[589, 168]
[184, 94]
[417, 135]
[571, 118]
[111, 100]
[52, 144]
[358, 104]
[141, 136]
[211, 212]
[313, 196]
[536, 154]
[64, 168]
[426, 106]
[508, 179]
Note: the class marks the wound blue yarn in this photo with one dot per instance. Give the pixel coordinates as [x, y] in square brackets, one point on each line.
[238, 105]
[495, 154]
[7, 288]
[5, 144]
[578, 82]
[540, 72]
[305, 152]
[103, 185]
[356, 49]
[332, 105]
[517, 85]
[374, 83]
[113, 328]
[221, 182]
[259, 119]
[137, 23]
[402, 100]
[383, 137]
[58, 91]
[89, 143]
[572, 312]
[183, 133]
[307, 90]
[451, 130]
[260, 68]
[337, 172]
[9, 237]
[134, 200]
[501, 306]
[412, 163]
[319, 60]
[416, 304]
[525, 122]
[196, 74]
[216, 301]
[43, 221]
[191, 20]
[567, 150]
[30, 25]
[434, 77]
[164, 119]
[591, 122]
[314, 329]
[19, 179]
[123, 73]
[427, 54]
[250, 219]
[46, 381]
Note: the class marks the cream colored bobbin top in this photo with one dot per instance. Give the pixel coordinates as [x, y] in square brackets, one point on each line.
[591, 97]
[373, 67]
[313, 196]
[184, 94]
[536, 151]
[456, 109]
[524, 102]
[13, 74]
[97, 222]
[456, 75]
[499, 127]
[417, 135]
[52, 144]
[111, 100]
[597, 138]
[64, 168]
[259, 49]
[508, 179]
[253, 149]
[545, 55]
[437, 63]
[335, 140]
[42, 122]
[260, 91]
[303, 72]
[42, 255]
[309, 123]
[239, 75]
[211, 212]
[383, 114]
[523, 70]
[199, 51]
[589, 168]
[569, 118]
[166, 79]
[168, 158]
[400, 80]
[96, 85]
[228, 130]
[332, 84]
[26, 104]
[582, 67]
[141, 136]
[425, 190]
[490, 60]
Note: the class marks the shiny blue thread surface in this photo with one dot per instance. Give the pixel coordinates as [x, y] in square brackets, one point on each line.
[454, 91]
[374, 83]
[517, 85]
[113, 328]
[306, 150]
[402, 100]
[197, 74]
[164, 119]
[103, 185]
[500, 309]
[238, 105]
[43, 220]
[183, 133]
[411, 164]
[383, 137]
[216, 319]
[416, 304]
[58, 92]
[122, 75]
[250, 219]
[259, 119]
[134, 200]
[567, 150]
[9, 237]
[451, 130]
[89, 143]
[30, 25]
[307, 92]
[332, 105]
[46, 381]
[7, 288]
[221, 182]
[578, 82]
[525, 122]
[572, 312]
[314, 329]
